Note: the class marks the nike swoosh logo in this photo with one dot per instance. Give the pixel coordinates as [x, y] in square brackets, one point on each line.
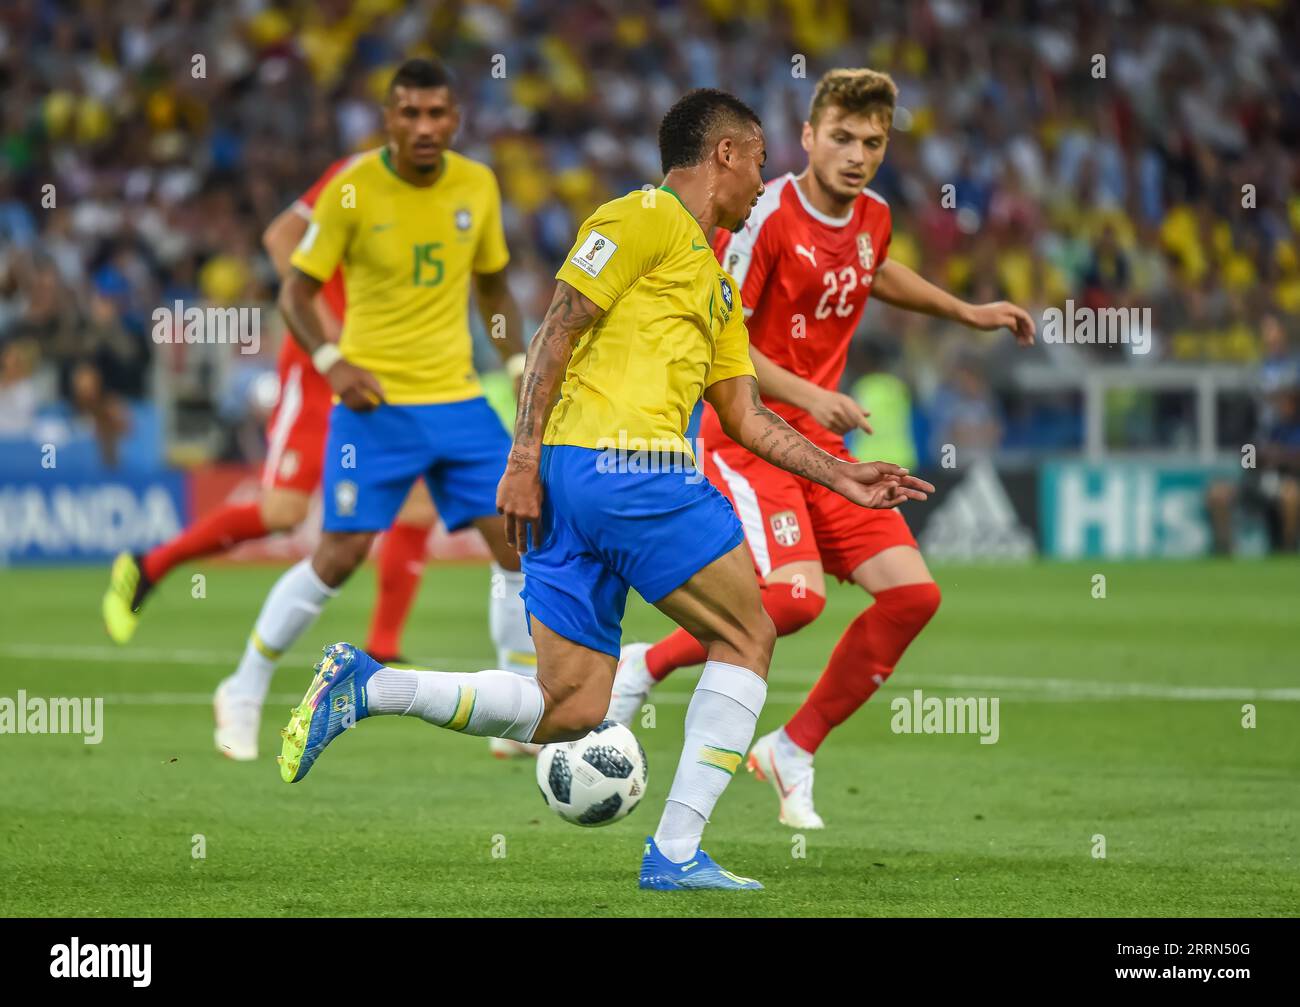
[785, 791]
[698, 248]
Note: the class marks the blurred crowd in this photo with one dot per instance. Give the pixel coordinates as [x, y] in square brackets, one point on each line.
[1115, 153]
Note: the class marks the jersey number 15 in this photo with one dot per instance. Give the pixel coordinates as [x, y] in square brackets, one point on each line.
[428, 268]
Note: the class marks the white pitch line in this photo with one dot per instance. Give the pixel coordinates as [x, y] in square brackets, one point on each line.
[1010, 687]
[1018, 695]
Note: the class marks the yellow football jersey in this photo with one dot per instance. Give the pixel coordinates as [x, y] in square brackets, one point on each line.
[407, 254]
[672, 326]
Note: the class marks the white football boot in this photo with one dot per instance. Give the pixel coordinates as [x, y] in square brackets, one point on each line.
[238, 719]
[632, 684]
[791, 774]
[505, 748]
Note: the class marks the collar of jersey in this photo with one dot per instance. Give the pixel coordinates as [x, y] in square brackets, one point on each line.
[687, 209]
[815, 213]
[387, 160]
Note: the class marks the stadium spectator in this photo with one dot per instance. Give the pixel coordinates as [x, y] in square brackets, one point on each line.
[1165, 177]
[19, 397]
[964, 413]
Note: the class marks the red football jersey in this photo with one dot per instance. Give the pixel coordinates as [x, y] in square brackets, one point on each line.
[332, 291]
[804, 281]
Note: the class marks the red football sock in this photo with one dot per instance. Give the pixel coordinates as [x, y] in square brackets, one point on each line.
[217, 532]
[862, 660]
[401, 563]
[789, 612]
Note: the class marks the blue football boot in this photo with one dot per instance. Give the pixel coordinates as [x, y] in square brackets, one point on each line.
[335, 701]
[662, 875]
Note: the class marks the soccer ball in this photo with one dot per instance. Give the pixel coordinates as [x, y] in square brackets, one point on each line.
[595, 780]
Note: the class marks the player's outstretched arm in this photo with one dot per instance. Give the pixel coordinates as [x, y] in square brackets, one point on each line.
[751, 424]
[903, 287]
[519, 494]
[356, 388]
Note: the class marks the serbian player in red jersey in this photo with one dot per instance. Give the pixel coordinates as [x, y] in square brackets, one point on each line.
[290, 474]
[812, 251]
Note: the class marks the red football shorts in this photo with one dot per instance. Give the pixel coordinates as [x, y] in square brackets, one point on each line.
[788, 518]
[295, 437]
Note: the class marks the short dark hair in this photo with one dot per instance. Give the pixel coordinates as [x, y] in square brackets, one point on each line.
[689, 126]
[422, 73]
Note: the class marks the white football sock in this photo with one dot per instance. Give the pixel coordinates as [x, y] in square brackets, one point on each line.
[489, 704]
[508, 620]
[289, 610]
[719, 727]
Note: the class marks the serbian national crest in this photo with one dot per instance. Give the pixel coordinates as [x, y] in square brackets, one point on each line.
[785, 528]
[866, 254]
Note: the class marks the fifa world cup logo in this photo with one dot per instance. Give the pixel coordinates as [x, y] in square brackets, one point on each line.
[591, 256]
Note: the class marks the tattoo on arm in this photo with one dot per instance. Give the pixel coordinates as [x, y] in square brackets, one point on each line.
[568, 317]
[774, 440]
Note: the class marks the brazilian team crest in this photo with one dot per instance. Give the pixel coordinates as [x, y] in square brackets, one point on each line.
[464, 219]
[785, 528]
[345, 498]
[866, 254]
[726, 293]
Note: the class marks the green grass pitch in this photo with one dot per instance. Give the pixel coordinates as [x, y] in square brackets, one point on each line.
[1120, 717]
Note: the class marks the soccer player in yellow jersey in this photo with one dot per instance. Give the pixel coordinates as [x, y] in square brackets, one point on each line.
[411, 225]
[601, 493]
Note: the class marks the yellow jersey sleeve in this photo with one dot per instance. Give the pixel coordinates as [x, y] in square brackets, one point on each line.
[326, 240]
[616, 246]
[492, 255]
[731, 357]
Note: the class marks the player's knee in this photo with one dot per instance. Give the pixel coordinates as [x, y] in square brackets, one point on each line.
[802, 611]
[282, 513]
[914, 604]
[757, 641]
[575, 717]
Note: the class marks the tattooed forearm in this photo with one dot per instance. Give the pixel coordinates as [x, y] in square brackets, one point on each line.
[754, 426]
[568, 317]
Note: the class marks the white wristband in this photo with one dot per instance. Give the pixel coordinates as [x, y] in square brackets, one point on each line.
[514, 366]
[325, 356]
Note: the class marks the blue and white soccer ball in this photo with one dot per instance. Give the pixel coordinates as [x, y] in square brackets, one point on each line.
[595, 780]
